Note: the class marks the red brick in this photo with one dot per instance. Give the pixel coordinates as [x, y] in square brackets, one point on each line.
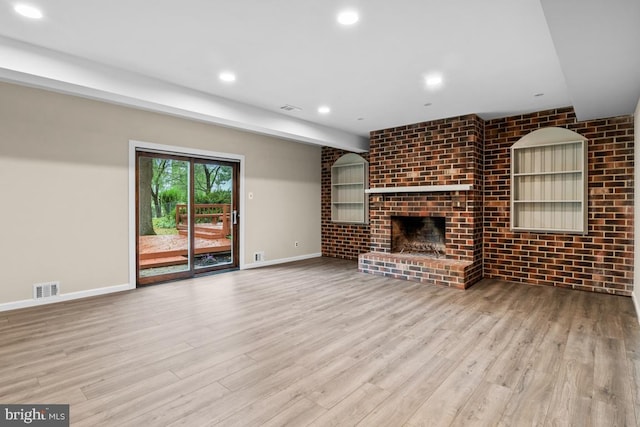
[601, 261]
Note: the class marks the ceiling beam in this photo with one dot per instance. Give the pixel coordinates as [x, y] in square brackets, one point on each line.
[30, 65]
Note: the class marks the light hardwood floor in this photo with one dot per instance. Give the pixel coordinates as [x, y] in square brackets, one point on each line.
[317, 343]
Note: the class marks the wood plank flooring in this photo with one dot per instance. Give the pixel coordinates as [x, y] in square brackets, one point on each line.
[317, 343]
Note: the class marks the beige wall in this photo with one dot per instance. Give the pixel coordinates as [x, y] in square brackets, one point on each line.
[64, 174]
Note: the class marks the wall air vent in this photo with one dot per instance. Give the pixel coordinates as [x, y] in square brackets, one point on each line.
[46, 290]
[288, 107]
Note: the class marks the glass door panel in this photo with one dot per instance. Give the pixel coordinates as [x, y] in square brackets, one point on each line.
[214, 215]
[164, 227]
[186, 211]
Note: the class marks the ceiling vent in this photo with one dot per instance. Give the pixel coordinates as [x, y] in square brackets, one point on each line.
[287, 107]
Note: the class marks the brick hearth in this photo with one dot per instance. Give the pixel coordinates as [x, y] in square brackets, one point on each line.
[417, 268]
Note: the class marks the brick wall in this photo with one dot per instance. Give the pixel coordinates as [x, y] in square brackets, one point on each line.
[447, 151]
[441, 152]
[600, 261]
[339, 240]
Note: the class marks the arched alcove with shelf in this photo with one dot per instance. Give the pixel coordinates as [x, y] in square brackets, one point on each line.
[349, 180]
[549, 182]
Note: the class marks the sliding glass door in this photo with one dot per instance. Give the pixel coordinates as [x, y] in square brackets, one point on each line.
[187, 218]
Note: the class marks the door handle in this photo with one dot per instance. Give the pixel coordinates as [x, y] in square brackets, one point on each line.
[234, 217]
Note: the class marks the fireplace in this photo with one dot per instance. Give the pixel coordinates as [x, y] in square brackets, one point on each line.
[424, 235]
[425, 202]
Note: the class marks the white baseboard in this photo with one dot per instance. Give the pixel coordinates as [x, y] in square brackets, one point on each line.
[119, 288]
[280, 261]
[64, 297]
[636, 304]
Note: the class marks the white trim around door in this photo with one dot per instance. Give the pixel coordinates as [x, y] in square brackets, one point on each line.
[179, 151]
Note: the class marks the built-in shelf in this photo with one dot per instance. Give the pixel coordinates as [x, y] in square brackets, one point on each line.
[549, 182]
[547, 173]
[420, 189]
[547, 201]
[349, 176]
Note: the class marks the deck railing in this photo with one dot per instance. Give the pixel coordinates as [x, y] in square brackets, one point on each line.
[205, 213]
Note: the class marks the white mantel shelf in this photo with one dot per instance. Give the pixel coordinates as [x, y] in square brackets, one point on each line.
[420, 189]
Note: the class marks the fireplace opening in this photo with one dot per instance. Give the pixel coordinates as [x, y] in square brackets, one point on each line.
[419, 235]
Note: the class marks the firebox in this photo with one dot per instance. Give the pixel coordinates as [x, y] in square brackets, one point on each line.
[419, 235]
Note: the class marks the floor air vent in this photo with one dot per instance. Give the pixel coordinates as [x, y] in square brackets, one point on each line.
[46, 290]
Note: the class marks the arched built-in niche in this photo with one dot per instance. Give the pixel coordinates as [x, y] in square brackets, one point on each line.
[349, 179]
[549, 182]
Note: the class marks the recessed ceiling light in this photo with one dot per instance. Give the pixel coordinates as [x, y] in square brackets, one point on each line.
[227, 77]
[324, 109]
[433, 81]
[28, 11]
[348, 17]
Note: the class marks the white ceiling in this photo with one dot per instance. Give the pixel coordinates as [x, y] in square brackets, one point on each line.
[494, 56]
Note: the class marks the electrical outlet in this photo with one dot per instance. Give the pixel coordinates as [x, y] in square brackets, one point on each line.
[296, 244]
[258, 256]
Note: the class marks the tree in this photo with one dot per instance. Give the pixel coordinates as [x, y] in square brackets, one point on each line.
[209, 180]
[157, 183]
[145, 171]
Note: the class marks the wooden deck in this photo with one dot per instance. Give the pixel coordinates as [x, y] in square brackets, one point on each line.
[172, 249]
[213, 225]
